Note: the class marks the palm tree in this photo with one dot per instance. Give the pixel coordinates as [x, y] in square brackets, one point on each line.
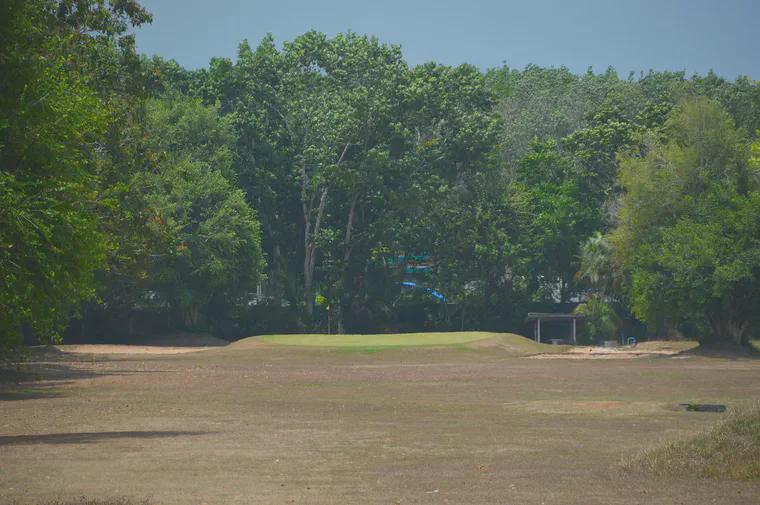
[596, 262]
[602, 322]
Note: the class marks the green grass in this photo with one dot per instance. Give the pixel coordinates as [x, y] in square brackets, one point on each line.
[374, 349]
[730, 449]
[378, 342]
[470, 341]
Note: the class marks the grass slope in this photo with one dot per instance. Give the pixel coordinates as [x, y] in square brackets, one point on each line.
[466, 339]
[731, 449]
[383, 340]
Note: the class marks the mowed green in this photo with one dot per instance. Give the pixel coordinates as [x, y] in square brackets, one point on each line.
[259, 423]
[509, 342]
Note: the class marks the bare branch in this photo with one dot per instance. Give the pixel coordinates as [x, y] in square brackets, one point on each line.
[343, 153]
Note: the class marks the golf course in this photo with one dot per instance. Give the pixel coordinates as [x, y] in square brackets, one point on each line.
[384, 419]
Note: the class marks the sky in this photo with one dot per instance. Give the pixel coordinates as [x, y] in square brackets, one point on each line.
[629, 35]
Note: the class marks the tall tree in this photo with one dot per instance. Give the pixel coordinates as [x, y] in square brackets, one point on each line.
[554, 187]
[689, 219]
[54, 120]
[215, 250]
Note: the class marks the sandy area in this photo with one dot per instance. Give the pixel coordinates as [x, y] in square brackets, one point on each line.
[592, 352]
[177, 343]
[128, 349]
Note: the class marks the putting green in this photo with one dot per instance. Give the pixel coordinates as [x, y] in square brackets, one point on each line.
[391, 340]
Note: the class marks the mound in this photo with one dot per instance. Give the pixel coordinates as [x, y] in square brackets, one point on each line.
[509, 342]
[382, 340]
[183, 339]
[731, 449]
[516, 344]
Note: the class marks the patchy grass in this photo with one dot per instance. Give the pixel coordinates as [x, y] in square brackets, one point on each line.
[90, 501]
[296, 424]
[730, 449]
[323, 384]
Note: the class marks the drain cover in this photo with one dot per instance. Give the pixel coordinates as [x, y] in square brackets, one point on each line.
[698, 407]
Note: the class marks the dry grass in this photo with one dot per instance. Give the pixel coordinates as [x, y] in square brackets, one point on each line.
[258, 423]
[90, 501]
[730, 449]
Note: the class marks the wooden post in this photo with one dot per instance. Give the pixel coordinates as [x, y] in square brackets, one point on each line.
[538, 325]
[575, 342]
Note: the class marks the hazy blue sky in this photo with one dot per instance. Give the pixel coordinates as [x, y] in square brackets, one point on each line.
[691, 35]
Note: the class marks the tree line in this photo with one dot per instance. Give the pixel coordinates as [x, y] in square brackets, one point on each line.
[250, 196]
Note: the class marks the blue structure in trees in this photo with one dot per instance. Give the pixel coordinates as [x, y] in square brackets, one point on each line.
[432, 292]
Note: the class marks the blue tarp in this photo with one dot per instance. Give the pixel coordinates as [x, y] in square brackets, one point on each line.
[429, 290]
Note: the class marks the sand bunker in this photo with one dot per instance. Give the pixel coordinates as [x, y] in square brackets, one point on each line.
[591, 352]
[177, 343]
[127, 349]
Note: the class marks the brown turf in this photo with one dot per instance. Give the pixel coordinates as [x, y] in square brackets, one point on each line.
[287, 425]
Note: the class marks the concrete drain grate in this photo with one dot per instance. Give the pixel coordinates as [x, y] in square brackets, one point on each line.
[698, 407]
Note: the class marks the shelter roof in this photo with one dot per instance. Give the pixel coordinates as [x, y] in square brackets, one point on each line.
[548, 316]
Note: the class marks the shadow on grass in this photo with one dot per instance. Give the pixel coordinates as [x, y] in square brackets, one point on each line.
[29, 394]
[45, 380]
[93, 437]
[729, 352]
[46, 371]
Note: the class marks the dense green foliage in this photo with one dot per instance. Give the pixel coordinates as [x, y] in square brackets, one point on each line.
[81, 184]
[689, 222]
[54, 120]
[133, 188]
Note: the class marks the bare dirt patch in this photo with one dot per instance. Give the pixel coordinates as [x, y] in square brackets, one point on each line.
[601, 405]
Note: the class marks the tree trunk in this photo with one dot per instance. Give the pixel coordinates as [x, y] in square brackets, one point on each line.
[349, 228]
[346, 258]
[274, 276]
[310, 237]
[736, 332]
[339, 318]
[83, 327]
[274, 266]
[310, 249]
[190, 317]
[726, 330]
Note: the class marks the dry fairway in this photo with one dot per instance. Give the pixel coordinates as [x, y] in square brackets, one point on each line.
[274, 425]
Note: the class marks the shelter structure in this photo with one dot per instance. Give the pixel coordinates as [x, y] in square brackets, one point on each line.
[537, 317]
